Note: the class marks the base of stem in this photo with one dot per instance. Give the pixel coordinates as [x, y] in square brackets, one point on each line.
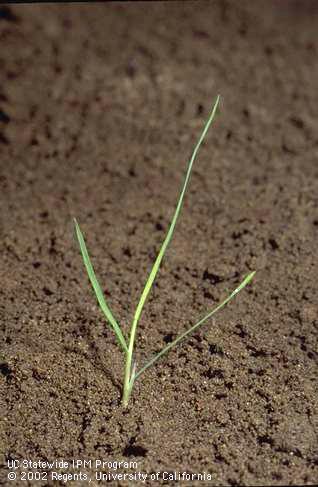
[125, 398]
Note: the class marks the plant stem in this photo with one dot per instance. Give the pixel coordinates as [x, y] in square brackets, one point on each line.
[127, 387]
[129, 376]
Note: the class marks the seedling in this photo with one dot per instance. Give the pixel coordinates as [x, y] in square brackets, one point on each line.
[130, 373]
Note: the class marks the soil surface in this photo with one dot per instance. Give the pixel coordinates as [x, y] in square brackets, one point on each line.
[100, 108]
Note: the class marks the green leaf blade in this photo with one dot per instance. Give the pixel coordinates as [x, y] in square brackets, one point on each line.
[97, 289]
[245, 281]
[169, 235]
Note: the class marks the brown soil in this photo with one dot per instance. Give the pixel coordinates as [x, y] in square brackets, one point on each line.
[100, 108]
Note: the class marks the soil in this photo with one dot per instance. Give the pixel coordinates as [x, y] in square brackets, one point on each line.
[101, 106]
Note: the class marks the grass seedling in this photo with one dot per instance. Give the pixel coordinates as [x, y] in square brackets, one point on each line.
[131, 374]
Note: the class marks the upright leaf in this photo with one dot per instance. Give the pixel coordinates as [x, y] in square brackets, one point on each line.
[164, 246]
[98, 292]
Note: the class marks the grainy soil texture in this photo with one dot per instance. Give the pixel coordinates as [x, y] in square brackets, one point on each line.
[101, 105]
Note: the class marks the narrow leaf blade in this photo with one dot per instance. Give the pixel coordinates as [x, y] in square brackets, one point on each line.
[164, 246]
[98, 291]
[245, 281]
